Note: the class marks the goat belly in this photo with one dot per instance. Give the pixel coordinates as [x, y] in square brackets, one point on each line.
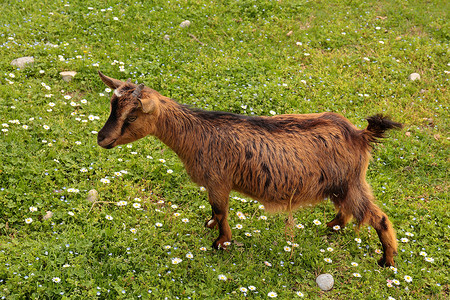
[284, 174]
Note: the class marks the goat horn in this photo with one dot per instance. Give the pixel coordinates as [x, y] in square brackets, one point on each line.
[111, 82]
[138, 90]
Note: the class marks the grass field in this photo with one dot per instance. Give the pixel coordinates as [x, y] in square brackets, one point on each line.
[144, 237]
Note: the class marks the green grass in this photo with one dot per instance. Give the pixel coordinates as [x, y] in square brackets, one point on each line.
[332, 61]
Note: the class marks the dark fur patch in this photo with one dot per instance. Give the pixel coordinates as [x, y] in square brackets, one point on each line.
[336, 192]
[268, 124]
[265, 169]
[323, 140]
[378, 125]
[335, 137]
[322, 177]
[383, 224]
[267, 183]
[124, 127]
[216, 210]
[200, 154]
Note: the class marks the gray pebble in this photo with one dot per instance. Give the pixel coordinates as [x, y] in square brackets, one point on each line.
[185, 23]
[48, 215]
[325, 282]
[67, 75]
[414, 76]
[92, 196]
[22, 61]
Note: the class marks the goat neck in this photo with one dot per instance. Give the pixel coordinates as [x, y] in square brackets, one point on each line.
[176, 126]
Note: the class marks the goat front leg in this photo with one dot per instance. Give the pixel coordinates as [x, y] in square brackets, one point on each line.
[219, 205]
[342, 217]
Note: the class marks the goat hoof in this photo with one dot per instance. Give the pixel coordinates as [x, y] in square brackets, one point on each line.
[383, 262]
[331, 224]
[211, 223]
[221, 243]
[334, 223]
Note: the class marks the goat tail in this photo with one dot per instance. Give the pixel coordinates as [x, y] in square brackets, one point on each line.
[378, 125]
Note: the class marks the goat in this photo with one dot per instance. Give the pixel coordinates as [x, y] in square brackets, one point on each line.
[283, 161]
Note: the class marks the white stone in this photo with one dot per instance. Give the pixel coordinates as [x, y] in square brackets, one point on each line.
[325, 282]
[414, 76]
[51, 45]
[67, 75]
[48, 215]
[92, 196]
[167, 37]
[185, 23]
[22, 61]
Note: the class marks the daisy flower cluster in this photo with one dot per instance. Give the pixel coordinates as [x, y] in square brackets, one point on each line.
[13, 124]
[107, 180]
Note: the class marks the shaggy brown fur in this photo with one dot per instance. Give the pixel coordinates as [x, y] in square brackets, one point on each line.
[284, 161]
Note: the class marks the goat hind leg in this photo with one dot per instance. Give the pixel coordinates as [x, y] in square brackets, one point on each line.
[365, 211]
[379, 220]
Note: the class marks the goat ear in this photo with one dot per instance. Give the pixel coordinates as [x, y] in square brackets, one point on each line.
[111, 82]
[148, 104]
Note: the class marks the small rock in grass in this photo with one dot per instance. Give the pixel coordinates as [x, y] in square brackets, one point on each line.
[51, 45]
[325, 282]
[429, 121]
[167, 37]
[48, 215]
[414, 76]
[92, 196]
[22, 61]
[185, 23]
[67, 75]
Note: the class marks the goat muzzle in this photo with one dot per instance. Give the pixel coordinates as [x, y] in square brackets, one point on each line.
[104, 142]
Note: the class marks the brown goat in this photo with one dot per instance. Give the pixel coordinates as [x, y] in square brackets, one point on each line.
[284, 161]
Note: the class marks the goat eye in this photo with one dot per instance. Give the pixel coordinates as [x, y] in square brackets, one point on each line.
[131, 119]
